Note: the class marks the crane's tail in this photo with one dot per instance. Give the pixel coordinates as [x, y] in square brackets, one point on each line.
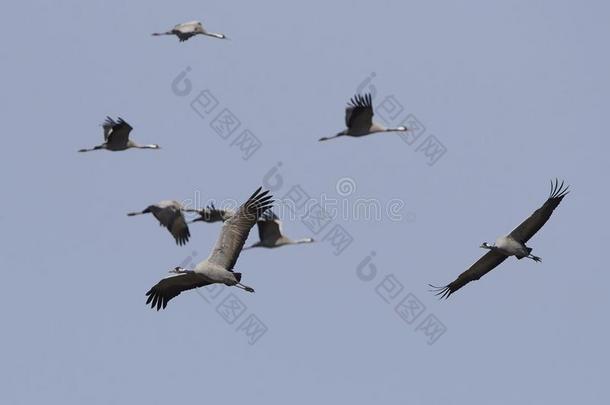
[237, 277]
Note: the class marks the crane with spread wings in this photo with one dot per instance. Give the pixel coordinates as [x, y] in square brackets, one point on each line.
[513, 244]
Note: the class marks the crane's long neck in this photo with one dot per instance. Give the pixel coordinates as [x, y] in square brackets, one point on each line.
[162, 33]
[326, 138]
[254, 245]
[215, 35]
[144, 211]
[397, 129]
[102, 146]
[150, 146]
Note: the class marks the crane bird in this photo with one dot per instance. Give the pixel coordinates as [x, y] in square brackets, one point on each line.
[116, 137]
[270, 233]
[169, 213]
[218, 267]
[359, 119]
[189, 29]
[514, 244]
[211, 214]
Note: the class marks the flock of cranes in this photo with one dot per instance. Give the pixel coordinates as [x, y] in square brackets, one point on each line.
[218, 267]
[256, 210]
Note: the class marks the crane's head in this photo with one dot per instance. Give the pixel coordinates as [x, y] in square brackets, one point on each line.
[485, 245]
[144, 211]
[178, 270]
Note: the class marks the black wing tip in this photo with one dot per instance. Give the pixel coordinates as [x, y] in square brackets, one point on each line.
[361, 100]
[260, 196]
[259, 202]
[257, 194]
[441, 292]
[183, 237]
[181, 241]
[155, 299]
[110, 122]
[269, 215]
[558, 191]
[258, 190]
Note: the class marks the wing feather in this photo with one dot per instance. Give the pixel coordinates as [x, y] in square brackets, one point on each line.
[531, 225]
[116, 132]
[172, 286]
[107, 127]
[484, 265]
[359, 113]
[269, 227]
[172, 218]
[235, 230]
[212, 214]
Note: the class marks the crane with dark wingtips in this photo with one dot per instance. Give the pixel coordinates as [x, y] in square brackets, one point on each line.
[513, 244]
[359, 119]
[218, 267]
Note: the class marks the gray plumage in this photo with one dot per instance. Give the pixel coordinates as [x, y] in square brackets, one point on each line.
[169, 213]
[189, 29]
[270, 233]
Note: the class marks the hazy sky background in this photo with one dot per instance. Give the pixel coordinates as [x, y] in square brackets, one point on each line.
[517, 92]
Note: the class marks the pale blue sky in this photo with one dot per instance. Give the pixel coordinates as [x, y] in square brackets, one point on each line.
[516, 91]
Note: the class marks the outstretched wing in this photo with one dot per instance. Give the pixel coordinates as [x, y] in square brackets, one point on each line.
[116, 132]
[530, 226]
[170, 287]
[213, 214]
[235, 230]
[484, 265]
[269, 227]
[107, 127]
[359, 113]
[172, 218]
